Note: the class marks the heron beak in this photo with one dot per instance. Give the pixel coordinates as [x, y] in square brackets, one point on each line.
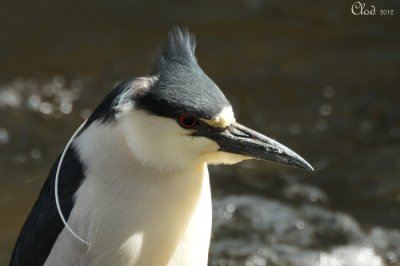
[241, 140]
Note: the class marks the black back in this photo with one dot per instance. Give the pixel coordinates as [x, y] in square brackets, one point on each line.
[43, 224]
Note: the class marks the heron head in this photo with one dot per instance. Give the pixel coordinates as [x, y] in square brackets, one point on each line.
[179, 116]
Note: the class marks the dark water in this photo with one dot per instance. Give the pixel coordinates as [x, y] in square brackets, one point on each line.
[310, 74]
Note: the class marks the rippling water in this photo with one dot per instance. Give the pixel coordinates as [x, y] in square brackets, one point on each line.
[311, 75]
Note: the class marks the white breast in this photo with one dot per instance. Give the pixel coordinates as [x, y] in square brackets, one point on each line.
[131, 214]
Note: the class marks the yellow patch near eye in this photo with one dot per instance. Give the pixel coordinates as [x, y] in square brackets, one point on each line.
[217, 122]
[223, 119]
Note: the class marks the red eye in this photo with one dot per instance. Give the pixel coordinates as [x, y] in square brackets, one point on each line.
[188, 121]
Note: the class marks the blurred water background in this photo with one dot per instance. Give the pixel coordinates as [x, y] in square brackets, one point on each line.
[309, 73]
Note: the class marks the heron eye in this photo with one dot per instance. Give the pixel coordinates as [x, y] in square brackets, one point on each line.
[188, 121]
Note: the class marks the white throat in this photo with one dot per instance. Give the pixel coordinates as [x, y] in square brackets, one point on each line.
[132, 214]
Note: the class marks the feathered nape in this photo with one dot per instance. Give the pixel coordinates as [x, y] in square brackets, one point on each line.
[180, 85]
[180, 48]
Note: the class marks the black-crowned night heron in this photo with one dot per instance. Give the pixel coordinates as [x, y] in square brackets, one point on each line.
[132, 184]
